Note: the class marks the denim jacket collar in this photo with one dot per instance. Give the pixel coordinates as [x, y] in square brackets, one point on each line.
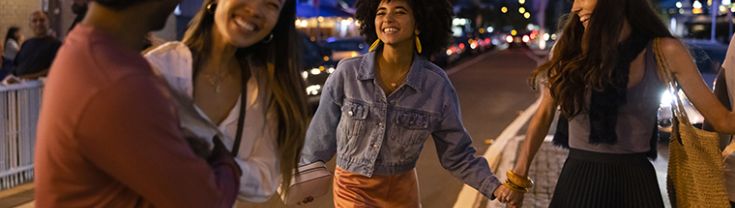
[413, 80]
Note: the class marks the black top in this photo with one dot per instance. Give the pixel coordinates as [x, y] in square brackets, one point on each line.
[36, 55]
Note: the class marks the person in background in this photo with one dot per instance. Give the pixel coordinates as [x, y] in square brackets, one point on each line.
[239, 63]
[36, 54]
[13, 40]
[108, 132]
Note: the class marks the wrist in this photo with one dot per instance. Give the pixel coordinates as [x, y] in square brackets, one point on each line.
[522, 165]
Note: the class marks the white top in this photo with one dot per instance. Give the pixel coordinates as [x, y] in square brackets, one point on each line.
[11, 49]
[258, 152]
[729, 69]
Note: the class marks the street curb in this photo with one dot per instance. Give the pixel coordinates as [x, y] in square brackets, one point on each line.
[468, 196]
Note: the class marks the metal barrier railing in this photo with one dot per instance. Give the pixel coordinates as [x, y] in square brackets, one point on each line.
[19, 110]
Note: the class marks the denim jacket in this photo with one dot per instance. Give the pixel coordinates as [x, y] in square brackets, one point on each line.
[375, 134]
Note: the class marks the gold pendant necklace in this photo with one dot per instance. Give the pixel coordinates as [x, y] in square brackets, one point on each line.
[400, 79]
[215, 80]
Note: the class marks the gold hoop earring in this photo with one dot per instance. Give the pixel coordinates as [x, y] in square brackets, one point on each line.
[374, 45]
[211, 7]
[419, 48]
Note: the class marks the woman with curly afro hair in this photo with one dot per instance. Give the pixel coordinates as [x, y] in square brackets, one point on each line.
[377, 110]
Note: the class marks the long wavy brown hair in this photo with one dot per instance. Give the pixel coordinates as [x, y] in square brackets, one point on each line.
[282, 79]
[582, 61]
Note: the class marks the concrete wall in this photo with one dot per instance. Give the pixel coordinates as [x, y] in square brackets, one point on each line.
[17, 13]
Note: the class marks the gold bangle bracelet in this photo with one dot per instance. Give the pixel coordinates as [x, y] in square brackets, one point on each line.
[510, 183]
[518, 180]
[514, 187]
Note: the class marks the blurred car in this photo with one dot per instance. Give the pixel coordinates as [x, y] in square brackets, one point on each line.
[318, 64]
[346, 48]
[485, 42]
[455, 50]
[708, 56]
[519, 40]
[469, 45]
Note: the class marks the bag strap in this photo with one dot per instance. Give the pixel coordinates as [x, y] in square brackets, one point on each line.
[670, 81]
[245, 76]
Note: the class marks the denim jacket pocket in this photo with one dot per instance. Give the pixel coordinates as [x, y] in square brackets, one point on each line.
[354, 116]
[414, 120]
[414, 129]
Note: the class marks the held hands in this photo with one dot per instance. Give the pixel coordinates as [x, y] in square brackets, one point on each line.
[513, 189]
[506, 195]
[10, 79]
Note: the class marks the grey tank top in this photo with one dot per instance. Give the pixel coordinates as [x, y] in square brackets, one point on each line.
[636, 118]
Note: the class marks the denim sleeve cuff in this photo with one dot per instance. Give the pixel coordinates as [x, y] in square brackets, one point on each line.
[488, 187]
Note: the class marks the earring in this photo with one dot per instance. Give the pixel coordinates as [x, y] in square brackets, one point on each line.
[374, 45]
[418, 43]
[269, 39]
[211, 7]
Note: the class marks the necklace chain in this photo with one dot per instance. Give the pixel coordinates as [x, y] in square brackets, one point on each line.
[394, 84]
[215, 80]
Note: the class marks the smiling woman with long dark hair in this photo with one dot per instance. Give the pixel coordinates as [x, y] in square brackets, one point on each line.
[603, 77]
[239, 62]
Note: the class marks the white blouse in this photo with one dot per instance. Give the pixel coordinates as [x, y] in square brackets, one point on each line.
[258, 151]
[11, 49]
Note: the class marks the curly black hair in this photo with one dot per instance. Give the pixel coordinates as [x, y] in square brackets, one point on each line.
[118, 4]
[433, 19]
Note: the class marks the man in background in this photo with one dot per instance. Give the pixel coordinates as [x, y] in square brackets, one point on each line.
[37, 53]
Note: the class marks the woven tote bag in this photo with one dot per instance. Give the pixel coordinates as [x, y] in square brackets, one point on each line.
[695, 174]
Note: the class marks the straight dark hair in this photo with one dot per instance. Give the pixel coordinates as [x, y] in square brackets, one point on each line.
[11, 34]
[585, 60]
[283, 82]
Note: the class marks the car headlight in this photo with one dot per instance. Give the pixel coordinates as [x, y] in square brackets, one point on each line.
[666, 98]
[313, 89]
[315, 71]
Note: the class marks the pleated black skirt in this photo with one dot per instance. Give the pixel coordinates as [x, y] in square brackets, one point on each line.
[591, 179]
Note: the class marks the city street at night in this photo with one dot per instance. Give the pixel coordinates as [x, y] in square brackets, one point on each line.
[329, 103]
